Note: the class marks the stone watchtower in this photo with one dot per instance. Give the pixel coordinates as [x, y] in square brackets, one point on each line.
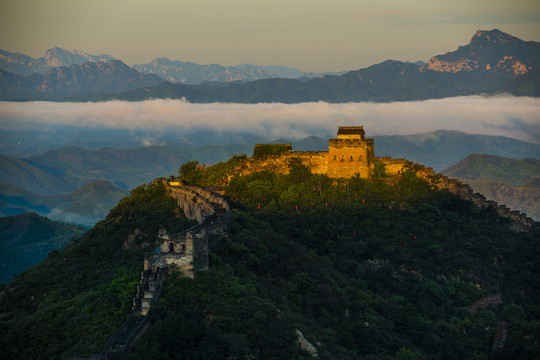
[350, 153]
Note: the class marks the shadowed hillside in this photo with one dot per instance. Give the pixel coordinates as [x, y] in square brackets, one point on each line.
[85, 206]
[27, 238]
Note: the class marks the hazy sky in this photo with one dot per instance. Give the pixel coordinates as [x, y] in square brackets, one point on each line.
[311, 35]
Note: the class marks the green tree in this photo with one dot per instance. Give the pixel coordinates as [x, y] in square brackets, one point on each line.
[379, 169]
[264, 150]
[189, 172]
[298, 172]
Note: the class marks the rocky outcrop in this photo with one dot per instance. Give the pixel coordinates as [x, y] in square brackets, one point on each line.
[306, 345]
[489, 51]
[484, 303]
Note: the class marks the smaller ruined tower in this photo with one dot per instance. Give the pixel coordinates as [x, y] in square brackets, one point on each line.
[350, 153]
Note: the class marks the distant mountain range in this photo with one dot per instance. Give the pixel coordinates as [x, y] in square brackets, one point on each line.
[25, 65]
[65, 170]
[191, 73]
[513, 182]
[492, 62]
[174, 71]
[91, 77]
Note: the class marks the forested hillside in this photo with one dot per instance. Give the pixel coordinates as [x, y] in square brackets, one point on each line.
[71, 302]
[381, 269]
[27, 238]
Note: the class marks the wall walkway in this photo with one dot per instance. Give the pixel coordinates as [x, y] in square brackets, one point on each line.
[205, 206]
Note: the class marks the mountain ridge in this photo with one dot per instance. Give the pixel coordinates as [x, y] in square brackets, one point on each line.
[491, 62]
[25, 65]
[90, 77]
[85, 206]
[177, 71]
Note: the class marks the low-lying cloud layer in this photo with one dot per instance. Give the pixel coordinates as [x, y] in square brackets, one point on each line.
[515, 117]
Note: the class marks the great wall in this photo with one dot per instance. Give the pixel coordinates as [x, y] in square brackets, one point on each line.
[348, 155]
[187, 251]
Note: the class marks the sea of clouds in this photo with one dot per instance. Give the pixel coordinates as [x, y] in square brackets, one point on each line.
[152, 120]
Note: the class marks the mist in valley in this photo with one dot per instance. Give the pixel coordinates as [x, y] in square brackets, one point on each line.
[32, 127]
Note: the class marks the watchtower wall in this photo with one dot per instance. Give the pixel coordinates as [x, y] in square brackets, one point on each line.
[348, 156]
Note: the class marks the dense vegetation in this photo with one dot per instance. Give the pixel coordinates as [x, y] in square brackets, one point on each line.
[72, 301]
[388, 269]
[191, 173]
[27, 238]
[264, 150]
[382, 269]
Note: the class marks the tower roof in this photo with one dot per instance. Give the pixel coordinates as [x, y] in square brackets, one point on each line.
[351, 130]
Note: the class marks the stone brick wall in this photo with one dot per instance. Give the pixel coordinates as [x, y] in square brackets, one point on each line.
[347, 157]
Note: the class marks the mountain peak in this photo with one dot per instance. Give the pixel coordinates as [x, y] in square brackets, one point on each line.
[57, 57]
[489, 50]
[495, 36]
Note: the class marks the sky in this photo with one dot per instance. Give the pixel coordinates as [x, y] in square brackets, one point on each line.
[311, 35]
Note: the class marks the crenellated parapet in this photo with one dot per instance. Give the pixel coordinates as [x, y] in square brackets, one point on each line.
[351, 153]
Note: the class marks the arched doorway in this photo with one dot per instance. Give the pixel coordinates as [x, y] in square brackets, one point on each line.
[171, 247]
